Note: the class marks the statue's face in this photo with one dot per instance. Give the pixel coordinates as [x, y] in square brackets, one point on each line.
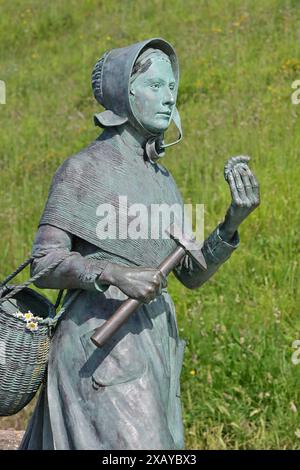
[153, 96]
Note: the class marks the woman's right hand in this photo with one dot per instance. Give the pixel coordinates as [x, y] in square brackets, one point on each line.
[143, 284]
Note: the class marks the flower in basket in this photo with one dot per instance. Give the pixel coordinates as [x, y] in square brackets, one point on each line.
[32, 325]
[19, 314]
[28, 316]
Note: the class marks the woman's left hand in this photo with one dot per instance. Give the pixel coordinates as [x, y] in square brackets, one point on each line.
[244, 190]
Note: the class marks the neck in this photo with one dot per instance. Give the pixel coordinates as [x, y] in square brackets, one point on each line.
[131, 136]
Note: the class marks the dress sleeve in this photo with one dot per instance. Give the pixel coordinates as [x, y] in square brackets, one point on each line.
[74, 272]
[215, 251]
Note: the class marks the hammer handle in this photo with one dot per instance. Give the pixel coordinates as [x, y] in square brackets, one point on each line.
[105, 331]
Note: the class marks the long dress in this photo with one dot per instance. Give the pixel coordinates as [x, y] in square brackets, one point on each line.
[125, 395]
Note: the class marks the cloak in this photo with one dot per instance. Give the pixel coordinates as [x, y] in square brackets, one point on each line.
[87, 182]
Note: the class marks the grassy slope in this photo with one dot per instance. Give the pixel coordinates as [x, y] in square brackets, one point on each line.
[238, 60]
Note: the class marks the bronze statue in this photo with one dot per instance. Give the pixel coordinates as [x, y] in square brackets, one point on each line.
[126, 394]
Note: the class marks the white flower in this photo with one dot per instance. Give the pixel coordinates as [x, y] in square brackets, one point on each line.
[28, 316]
[32, 325]
[19, 314]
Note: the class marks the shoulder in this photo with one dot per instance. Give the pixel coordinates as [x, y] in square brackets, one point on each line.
[82, 162]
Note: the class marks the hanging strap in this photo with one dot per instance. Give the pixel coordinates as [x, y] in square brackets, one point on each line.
[60, 294]
[17, 271]
[33, 278]
[52, 322]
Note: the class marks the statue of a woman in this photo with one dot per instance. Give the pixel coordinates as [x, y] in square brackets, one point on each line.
[125, 395]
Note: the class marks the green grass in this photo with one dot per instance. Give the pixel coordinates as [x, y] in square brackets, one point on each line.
[238, 60]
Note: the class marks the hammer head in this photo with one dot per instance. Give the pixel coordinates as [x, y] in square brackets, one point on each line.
[189, 243]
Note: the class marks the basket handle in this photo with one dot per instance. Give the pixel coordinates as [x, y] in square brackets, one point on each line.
[58, 299]
[17, 271]
[33, 278]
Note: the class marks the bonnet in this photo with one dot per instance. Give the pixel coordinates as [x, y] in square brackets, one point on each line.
[111, 84]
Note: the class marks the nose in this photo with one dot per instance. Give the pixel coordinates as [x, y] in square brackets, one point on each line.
[168, 98]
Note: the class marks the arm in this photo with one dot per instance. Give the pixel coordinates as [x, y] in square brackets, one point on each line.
[218, 247]
[78, 272]
[215, 250]
[75, 272]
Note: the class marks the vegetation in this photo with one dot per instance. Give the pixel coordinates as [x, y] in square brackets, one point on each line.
[238, 60]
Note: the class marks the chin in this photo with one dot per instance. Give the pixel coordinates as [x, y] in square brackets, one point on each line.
[157, 128]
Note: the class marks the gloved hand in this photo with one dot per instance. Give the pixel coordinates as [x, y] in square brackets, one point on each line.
[143, 284]
[245, 195]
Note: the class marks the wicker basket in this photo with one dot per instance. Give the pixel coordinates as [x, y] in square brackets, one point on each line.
[24, 340]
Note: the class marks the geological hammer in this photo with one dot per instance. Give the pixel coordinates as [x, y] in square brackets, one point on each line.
[186, 245]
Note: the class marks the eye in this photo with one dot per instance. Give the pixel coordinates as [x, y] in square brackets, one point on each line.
[172, 86]
[155, 85]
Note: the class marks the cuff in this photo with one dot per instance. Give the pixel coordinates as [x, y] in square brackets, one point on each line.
[217, 249]
[88, 279]
[99, 286]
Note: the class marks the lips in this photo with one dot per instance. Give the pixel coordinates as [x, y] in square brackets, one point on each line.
[165, 114]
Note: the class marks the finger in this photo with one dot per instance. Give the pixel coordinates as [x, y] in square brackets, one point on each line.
[157, 284]
[239, 185]
[234, 161]
[157, 279]
[238, 159]
[254, 184]
[164, 280]
[160, 282]
[233, 189]
[229, 166]
[246, 182]
[241, 159]
[150, 295]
